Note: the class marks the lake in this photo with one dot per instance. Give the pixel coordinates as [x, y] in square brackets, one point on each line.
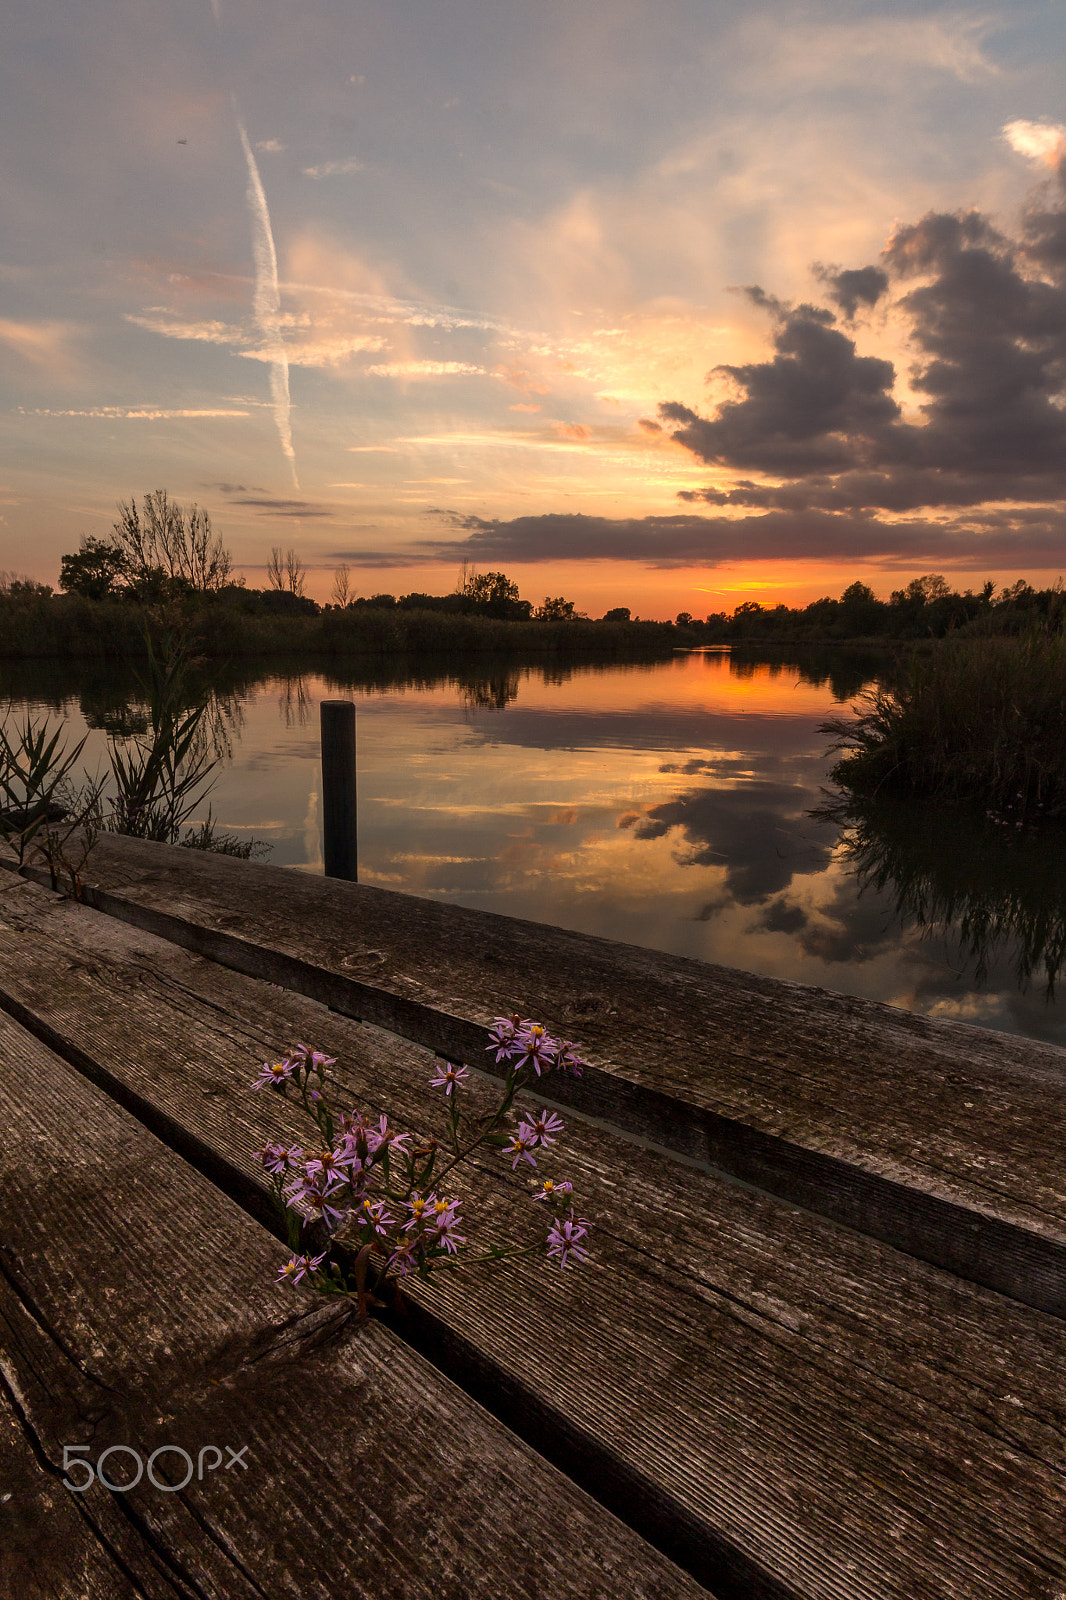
[663, 803]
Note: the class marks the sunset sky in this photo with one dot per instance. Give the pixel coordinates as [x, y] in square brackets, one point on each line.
[663, 305]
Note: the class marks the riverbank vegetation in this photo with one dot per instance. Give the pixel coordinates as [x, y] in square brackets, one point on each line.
[165, 557]
[973, 720]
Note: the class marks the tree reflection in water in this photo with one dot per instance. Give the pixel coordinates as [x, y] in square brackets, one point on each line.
[991, 888]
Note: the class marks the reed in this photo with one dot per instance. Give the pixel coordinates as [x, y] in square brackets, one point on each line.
[971, 720]
[239, 624]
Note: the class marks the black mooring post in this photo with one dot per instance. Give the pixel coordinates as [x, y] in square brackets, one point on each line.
[340, 848]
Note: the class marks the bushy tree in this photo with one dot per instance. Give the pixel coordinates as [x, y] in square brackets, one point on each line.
[94, 569]
[555, 610]
[494, 594]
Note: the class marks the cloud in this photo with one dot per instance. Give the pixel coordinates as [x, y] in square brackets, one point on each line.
[333, 169]
[269, 146]
[868, 51]
[45, 345]
[159, 320]
[136, 413]
[814, 436]
[267, 506]
[426, 369]
[816, 405]
[855, 287]
[982, 539]
[1044, 142]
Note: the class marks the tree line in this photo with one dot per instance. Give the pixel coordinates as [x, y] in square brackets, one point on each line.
[160, 551]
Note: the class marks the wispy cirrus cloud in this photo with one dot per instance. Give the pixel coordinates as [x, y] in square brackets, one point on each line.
[48, 345]
[275, 506]
[334, 169]
[135, 413]
[427, 369]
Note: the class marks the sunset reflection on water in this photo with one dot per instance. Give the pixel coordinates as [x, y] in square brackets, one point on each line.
[664, 804]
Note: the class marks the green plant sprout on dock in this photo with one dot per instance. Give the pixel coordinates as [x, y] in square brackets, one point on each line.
[381, 1195]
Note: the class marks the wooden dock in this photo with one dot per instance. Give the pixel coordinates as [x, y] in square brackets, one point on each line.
[819, 1353]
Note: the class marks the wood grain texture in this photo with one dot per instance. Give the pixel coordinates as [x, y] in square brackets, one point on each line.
[49, 1549]
[136, 1308]
[785, 1397]
[938, 1138]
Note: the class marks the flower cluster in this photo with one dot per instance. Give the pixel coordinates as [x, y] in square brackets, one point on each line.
[526, 1045]
[381, 1194]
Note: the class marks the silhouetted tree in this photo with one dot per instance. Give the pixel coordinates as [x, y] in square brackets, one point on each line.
[94, 569]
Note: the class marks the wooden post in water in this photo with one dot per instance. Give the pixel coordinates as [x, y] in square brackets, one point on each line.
[340, 845]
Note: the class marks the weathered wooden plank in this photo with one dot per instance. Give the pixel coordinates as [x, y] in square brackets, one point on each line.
[48, 1549]
[136, 1310]
[808, 1402]
[937, 1138]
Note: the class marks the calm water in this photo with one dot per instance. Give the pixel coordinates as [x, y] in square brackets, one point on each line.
[665, 804]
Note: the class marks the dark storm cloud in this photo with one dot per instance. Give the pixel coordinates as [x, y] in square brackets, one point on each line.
[854, 287]
[980, 483]
[991, 338]
[817, 405]
[781, 917]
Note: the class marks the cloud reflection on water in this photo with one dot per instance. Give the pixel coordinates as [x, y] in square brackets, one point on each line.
[664, 804]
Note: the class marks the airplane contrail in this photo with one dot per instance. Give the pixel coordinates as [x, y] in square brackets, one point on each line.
[266, 302]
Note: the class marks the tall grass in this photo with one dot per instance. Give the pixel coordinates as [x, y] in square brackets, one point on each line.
[40, 625]
[972, 720]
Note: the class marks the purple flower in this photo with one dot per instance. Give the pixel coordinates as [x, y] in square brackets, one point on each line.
[444, 1234]
[551, 1190]
[519, 1148]
[354, 1122]
[503, 1034]
[371, 1214]
[330, 1162]
[405, 1258]
[448, 1076]
[275, 1073]
[567, 1059]
[445, 1221]
[321, 1062]
[534, 1047]
[317, 1194]
[418, 1207]
[383, 1135]
[279, 1157]
[298, 1267]
[563, 1237]
[540, 1129]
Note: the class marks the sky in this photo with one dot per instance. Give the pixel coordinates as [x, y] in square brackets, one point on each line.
[666, 306]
